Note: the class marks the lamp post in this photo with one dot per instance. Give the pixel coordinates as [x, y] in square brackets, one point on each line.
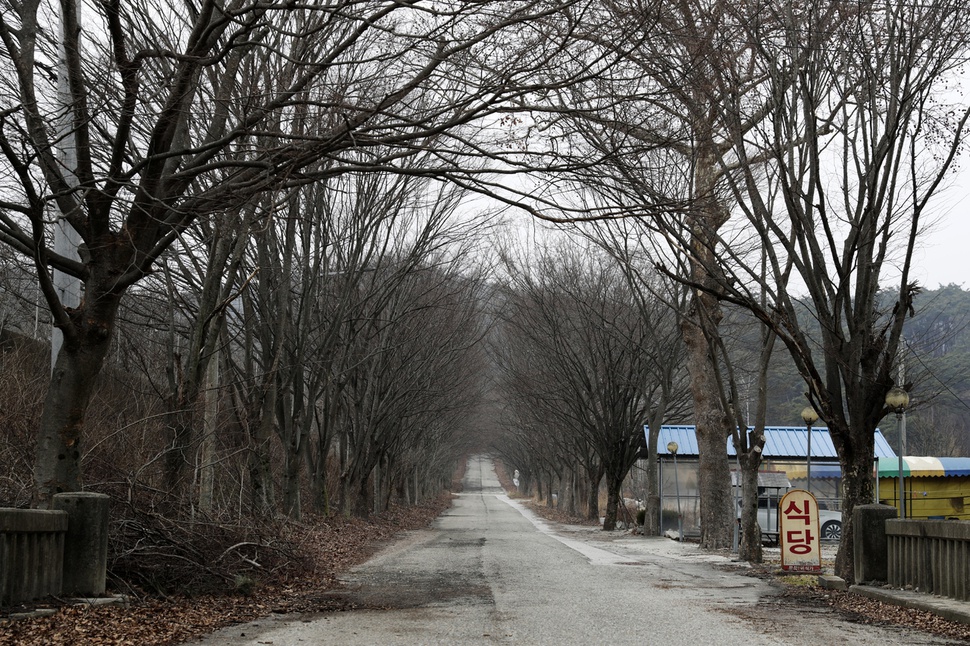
[809, 416]
[897, 400]
[672, 449]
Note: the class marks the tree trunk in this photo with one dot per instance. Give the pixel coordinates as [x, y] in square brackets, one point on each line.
[698, 328]
[379, 476]
[613, 486]
[321, 494]
[857, 489]
[714, 477]
[207, 460]
[569, 492]
[365, 500]
[750, 547]
[180, 431]
[292, 466]
[260, 465]
[651, 514]
[593, 494]
[294, 449]
[579, 493]
[343, 485]
[57, 465]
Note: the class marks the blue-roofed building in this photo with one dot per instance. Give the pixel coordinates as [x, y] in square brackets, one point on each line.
[781, 443]
[785, 454]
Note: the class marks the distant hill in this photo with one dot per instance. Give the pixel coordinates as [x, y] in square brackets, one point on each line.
[937, 364]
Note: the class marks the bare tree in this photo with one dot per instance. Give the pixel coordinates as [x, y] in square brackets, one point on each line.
[655, 140]
[753, 107]
[585, 356]
[169, 130]
[822, 135]
[411, 369]
[859, 142]
[661, 303]
[200, 282]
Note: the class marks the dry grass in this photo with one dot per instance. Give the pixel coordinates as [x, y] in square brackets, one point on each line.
[327, 547]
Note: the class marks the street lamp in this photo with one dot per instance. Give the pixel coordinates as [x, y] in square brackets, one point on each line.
[809, 416]
[672, 449]
[897, 400]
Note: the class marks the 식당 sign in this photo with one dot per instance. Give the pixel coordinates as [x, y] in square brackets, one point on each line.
[800, 548]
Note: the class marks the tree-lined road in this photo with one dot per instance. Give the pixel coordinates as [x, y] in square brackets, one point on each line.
[489, 571]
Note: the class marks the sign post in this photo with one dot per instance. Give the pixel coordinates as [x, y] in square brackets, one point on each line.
[800, 548]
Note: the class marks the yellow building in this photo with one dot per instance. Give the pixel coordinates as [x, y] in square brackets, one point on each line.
[932, 487]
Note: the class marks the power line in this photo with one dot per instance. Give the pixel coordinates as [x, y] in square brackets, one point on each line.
[946, 386]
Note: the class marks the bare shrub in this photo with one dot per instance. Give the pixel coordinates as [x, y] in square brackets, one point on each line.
[24, 372]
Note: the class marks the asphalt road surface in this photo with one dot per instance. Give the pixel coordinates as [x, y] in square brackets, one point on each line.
[489, 571]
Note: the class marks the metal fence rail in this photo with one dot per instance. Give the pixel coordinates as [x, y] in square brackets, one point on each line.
[930, 556]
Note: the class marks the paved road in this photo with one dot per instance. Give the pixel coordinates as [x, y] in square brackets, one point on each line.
[489, 571]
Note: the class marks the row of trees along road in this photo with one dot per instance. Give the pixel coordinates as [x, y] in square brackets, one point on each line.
[778, 150]
[203, 124]
[243, 178]
[585, 355]
[336, 355]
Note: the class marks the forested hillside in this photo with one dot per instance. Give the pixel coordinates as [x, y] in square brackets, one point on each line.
[936, 363]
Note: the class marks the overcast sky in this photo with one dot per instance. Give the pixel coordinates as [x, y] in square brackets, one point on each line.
[945, 254]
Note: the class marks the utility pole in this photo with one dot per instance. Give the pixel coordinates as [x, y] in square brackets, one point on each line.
[66, 238]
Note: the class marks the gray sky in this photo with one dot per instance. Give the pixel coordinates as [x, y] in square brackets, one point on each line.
[944, 256]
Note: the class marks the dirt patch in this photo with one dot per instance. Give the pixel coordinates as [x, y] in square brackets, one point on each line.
[334, 546]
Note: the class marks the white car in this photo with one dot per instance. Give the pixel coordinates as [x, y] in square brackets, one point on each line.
[829, 522]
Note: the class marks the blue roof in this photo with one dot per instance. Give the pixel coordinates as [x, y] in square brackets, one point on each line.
[956, 466]
[780, 442]
[684, 436]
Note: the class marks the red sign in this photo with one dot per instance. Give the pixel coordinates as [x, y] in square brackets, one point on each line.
[800, 549]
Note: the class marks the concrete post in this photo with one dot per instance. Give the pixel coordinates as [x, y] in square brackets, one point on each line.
[871, 546]
[86, 543]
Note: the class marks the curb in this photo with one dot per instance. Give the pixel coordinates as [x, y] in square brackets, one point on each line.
[949, 609]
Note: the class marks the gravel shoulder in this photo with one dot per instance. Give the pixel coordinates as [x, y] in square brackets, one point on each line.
[799, 597]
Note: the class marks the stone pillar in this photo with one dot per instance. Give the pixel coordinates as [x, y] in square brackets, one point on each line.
[86, 542]
[871, 546]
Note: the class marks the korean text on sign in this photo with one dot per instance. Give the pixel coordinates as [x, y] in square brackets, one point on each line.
[798, 515]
